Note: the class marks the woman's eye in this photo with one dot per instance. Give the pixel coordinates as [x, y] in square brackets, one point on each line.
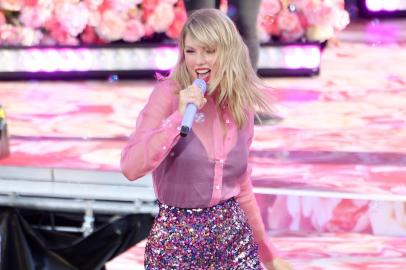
[189, 51]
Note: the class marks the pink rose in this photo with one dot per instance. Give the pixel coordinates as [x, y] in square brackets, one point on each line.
[68, 40]
[94, 18]
[51, 24]
[341, 19]
[338, 3]
[93, 4]
[223, 6]
[73, 17]
[290, 26]
[180, 18]
[134, 13]
[104, 6]
[267, 16]
[9, 35]
[171, 2]
[287, 21]
[2, 18]
[124, 5]
[294, 34]
[148, 30]
[63, 38]
[263, 35]
[134, 31]
[30, 37]
[318, 14]
[57, 34]
[300, 4]
[269, 25]
[148, 6]
[47, 40]
[34, 17]
[89, 36]
[270, 8]
[49, 5]
[112, 26]
[162, 17]
[14, 5]
[31, 3]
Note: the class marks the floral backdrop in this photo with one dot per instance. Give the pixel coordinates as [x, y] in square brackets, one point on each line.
[75, 22]
[332, 215]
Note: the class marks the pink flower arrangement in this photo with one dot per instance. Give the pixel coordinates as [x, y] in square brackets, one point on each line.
[12, 5]
[308, 20]
[2, 18]
[74, 22]
[10, 35]
[111, 26]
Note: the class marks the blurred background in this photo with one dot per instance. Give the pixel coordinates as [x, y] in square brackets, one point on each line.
[329, 170]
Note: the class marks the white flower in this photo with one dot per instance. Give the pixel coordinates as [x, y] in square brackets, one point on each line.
[112, 26]
[162, 17]
[73, 17]
[30, 37]
[124, 5]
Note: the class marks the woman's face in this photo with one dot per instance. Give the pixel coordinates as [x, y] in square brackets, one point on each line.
[200, 61]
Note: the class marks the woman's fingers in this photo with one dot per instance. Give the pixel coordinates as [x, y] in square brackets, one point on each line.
[203, 102]
[191, 94]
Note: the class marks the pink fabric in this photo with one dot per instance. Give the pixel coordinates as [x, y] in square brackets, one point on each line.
[246, 199]
[201, 170]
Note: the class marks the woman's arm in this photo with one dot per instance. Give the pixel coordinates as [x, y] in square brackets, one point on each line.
[267, 252]
[155, 134]
[246, 199]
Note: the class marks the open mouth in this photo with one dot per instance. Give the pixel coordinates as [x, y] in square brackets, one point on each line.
[203, 73]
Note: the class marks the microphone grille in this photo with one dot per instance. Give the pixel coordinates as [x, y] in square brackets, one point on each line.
[201, 84]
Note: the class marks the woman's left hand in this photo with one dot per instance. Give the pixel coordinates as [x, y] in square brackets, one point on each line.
[278, 264]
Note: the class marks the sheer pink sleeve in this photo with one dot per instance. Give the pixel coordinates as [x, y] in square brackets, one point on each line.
[155, 134]
[246, 199]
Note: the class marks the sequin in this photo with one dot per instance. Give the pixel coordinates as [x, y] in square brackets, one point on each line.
[217, 237]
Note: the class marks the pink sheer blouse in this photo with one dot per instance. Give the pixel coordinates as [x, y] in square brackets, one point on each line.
[200, 170]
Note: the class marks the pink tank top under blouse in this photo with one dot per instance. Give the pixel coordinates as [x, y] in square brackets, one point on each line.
[200, 170]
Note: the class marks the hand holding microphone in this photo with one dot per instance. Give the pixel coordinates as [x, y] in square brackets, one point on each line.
[191, 99]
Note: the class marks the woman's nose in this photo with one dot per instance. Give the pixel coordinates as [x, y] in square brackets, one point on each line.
[201, 58]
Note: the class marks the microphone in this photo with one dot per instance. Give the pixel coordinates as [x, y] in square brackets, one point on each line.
[190, 110]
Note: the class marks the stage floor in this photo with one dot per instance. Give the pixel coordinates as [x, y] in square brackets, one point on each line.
[343, 131]
[314, 252]
[341, 143]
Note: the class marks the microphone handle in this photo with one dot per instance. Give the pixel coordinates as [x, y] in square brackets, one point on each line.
[188, 118]
[191, 110]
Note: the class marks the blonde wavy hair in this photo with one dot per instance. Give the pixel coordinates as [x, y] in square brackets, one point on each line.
[236, 83]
